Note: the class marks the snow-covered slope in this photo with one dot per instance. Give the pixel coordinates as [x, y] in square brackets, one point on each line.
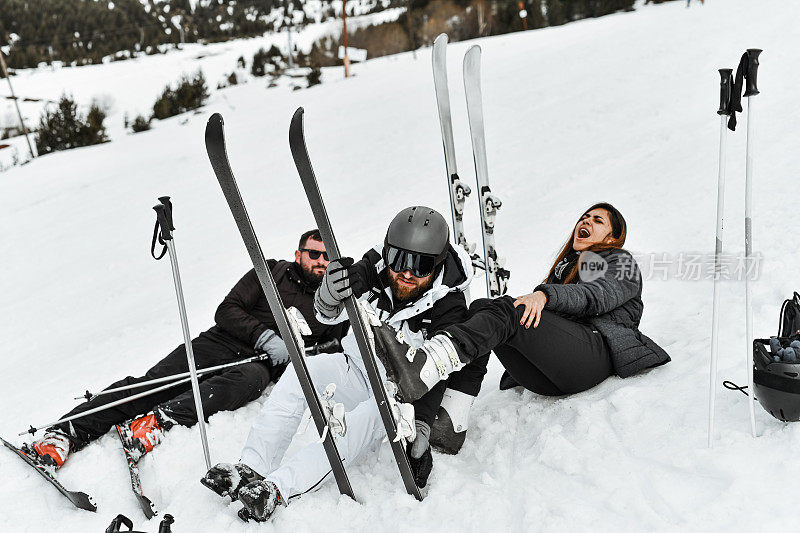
[131, 87]
[619, 109]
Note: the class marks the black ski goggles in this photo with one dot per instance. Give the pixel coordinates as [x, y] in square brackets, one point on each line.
[314, 254]
[399, 260]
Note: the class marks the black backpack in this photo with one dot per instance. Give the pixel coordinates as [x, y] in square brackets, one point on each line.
[790, 317]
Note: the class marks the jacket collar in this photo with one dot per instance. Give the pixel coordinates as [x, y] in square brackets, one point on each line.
[295, 273]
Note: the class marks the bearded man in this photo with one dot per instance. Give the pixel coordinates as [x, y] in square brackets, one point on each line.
[244, 327]
[415, 283]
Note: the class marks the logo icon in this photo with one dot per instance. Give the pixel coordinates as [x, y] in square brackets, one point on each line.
[591, 266]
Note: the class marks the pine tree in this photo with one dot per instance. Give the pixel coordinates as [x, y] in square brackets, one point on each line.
[555, 12]
[535, 16]
[65, 128]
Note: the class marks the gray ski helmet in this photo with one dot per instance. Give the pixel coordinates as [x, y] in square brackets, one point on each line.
[776, 384]
[419, 230]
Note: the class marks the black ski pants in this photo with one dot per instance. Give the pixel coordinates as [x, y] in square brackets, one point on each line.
[468, 380]
[560, 356]
[223, 390]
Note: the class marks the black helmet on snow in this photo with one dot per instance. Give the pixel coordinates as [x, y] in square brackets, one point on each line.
[776, 384]
[417, 240]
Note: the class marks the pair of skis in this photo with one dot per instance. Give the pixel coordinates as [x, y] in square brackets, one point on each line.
[81, 500]
[215, 146]
[496, 275]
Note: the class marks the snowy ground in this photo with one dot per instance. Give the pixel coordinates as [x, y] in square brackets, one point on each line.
[619, 109]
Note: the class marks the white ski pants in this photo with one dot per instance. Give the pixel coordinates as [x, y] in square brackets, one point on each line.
[281, 415]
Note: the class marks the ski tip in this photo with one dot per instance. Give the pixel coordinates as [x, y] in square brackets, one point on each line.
[148, 509]
[441, 39]
[83, 501]
[215, 124]
[214, 131]
[472, 60]
[296, 126]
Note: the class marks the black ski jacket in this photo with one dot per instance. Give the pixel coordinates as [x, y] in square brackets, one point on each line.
[244, 313]
[612, 304]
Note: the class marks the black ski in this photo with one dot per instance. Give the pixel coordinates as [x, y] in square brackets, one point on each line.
[79, 499]
[215, 146]
[147, 506]
[297, 142]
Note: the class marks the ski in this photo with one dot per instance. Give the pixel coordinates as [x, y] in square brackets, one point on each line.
[496, 275]
[302, 161]
[147, 506]
[217, 154]
[80, 500]
[459, 191]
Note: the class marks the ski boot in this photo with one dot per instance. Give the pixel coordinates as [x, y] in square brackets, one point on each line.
[50, 451]
[415, 370]
[227, 480]
[143, 434]
[260, 498]
[449, 430]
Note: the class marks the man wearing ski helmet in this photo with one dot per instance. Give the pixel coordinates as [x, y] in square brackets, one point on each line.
[414, 282]
[412, 245]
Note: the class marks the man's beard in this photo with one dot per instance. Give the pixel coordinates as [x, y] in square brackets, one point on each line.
[311, 277]
[405, 294]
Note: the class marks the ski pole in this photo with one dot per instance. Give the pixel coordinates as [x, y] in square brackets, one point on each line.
[317, 348]
[200, 372]
[310, 350]
[164, 224]
[725, 91]
[750, 92]
[103, 407]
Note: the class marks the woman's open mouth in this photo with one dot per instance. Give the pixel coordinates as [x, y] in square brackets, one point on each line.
[583, 233]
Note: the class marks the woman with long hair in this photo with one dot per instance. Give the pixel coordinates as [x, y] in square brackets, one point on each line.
[574, 330]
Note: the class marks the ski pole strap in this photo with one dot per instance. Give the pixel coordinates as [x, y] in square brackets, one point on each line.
[730, 385]
[747, 70]
[162, 231]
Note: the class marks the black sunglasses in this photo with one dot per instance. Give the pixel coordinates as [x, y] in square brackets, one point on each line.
[399, 260]
[314, 254]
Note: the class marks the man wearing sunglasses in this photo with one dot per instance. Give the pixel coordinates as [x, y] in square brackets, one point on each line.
[244, 326]
[415, 282]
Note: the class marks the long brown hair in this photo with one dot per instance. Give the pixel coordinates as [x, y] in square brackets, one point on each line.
[619, 230]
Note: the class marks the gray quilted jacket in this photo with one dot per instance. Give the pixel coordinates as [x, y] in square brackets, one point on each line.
[612, 304]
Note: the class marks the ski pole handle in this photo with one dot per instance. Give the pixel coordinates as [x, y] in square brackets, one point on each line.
[752, 71]
[725, 91]
[120, 520]
[324, 347]
[164, 222]
[167, 203]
